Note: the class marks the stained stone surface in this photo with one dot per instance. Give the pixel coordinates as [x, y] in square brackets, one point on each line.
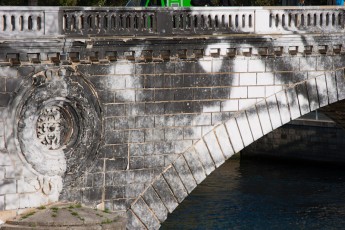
[98, 114]
[67, 216]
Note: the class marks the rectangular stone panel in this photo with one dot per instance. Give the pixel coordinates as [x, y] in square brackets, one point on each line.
[11, 201]
[238, 92]
[133, 222]
[324, 63]
[4, 99]
[244, 128]
[254, 123]
[303, 99]
[175, 183]
[192, 133]
[265, 78]
[256, 65]
[273, 112]
[214, 148]
[229, 105]
[264, 117]
[238, 65]
[234, 135]
[245, 103]
[7, 187]
[224, 142]
[293, 103]
[164, 192]
[270, 90]
[283, 107]
[340, 77]
[204, 156]
[132, 191]
[307, 63]
[256, 91]
[145, 214]
[331, 87]
[195, 165]
[185, 174]
[285, 63]
[322, 90]
[247, 79]
[203, 119]
[210, 106]
[220, 117]
[155, 203]
[312, 94]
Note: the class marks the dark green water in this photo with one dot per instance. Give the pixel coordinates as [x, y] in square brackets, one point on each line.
[251, 194]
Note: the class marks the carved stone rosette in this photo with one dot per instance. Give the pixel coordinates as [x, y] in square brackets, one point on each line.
[56, 123]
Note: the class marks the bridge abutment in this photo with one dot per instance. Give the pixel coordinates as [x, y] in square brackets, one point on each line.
[135, 123]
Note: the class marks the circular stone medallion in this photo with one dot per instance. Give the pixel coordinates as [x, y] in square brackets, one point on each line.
[56, 121]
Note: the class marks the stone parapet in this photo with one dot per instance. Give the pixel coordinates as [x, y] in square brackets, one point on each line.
[172, 22]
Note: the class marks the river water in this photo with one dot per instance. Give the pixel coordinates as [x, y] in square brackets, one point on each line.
[249, 194]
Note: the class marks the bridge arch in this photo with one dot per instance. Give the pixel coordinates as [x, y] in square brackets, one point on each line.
[182, 176]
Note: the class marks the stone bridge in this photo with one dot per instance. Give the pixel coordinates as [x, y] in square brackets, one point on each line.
[131, 108]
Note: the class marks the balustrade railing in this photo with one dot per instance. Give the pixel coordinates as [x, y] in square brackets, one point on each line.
[22, 22]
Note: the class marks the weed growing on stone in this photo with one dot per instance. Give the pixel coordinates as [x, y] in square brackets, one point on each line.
[78, 206]
[74, 214]
[41, 207]
[107, 221]
[97, 214]
[54, 215]
[28, 215]
[106, 210]
[54, 209]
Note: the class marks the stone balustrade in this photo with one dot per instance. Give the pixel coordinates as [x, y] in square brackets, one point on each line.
[22, 22]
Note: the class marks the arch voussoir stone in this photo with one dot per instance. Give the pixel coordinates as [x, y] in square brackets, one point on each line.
[155, 203]
[339, 74]
[283, 107]
[133, 222]
[195, 165]
[140, 208]
[185, 174]
[302, 97]
[264, 114]
[165, 193]
[223, 140]
[273, 114]
[322, 90]
[204, 156]
[234, 135]
[180, 177]
[172, 178]
[243, 126]
[254, 123]
[292, 98]
[214, 149]
[331, 87]
[312, 94]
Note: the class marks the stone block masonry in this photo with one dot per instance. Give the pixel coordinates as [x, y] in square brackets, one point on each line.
[136, 123]
[319, 141]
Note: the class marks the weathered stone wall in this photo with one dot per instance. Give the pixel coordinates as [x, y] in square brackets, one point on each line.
[319, 141]
[171, 110]
[152, 112]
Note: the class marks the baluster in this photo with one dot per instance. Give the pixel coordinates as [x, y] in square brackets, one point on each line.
[18, 23]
